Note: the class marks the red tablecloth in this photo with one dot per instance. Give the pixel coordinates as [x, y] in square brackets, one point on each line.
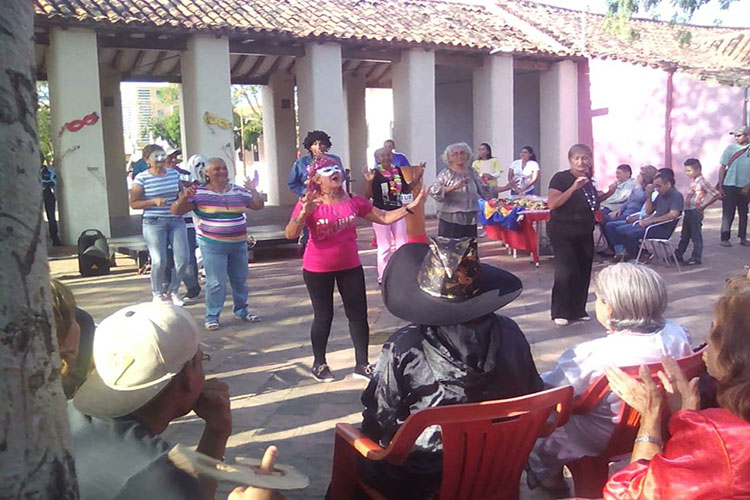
[523, 239]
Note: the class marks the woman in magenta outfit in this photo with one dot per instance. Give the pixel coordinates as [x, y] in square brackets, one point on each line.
[707, 456]
[331, 256]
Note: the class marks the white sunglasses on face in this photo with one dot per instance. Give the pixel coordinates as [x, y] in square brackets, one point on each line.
[160, 156]
[328, 171]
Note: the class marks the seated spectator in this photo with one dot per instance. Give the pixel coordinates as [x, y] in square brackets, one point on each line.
[666, 206]
[707, 453]
[149, 371]
[630, 302]
[75, 337]
[619, 191]
[633, 204]
[456, 350]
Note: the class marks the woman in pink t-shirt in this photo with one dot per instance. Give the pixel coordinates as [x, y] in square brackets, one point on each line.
[331, 256]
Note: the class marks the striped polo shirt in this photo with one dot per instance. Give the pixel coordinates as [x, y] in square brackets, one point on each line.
[220, 217]
[159, 186]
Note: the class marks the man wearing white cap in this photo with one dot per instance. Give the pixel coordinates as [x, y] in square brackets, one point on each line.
[734, 186]
[149, 371]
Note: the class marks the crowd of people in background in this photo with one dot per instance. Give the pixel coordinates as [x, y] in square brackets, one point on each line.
[143, 367]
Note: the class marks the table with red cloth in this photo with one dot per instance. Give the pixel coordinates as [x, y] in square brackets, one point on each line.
[526, 237]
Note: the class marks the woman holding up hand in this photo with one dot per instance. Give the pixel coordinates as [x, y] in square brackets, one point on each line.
[331, 256]
[221, 225]
[457, 190]
[572, 202]
[706, 455]
[153, 191]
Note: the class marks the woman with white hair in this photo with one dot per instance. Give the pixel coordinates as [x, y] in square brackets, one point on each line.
[457, 190]
[630, 303]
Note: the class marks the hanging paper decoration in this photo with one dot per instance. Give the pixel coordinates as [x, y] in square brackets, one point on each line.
[77, 125]
[212, 119]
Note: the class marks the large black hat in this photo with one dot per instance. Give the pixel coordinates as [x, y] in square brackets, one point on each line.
[443, 283]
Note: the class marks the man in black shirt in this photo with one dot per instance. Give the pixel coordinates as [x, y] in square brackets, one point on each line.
[667, 206]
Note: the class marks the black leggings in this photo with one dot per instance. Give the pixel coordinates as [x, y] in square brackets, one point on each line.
[351, 285]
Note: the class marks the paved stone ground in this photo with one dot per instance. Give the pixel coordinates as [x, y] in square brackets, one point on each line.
[266, 364]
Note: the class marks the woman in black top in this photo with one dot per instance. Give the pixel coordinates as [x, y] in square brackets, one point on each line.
[573, 202]
[388, 190]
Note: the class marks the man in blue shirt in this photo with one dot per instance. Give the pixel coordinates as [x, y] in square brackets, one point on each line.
[399, 159]
[317, 143]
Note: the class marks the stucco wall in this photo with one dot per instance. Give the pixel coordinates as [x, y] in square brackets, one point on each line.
[526, 112]
[703, 114]
[453, 108]
[628, 108]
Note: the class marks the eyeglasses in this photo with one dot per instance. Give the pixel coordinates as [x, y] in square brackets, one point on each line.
[159, 156]
[328, 171]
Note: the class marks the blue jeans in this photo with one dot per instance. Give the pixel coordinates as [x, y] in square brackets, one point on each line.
[610, 233]
[219, 261]
[691, 230]
[191, 271]
[159, 232]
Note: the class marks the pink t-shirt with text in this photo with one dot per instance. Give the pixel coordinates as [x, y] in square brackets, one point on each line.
[332, 245]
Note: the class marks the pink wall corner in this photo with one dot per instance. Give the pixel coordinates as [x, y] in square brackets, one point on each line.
[703, 114]
[627, 116]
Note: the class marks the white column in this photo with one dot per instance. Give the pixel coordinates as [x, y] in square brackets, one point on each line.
[493, 106]
[414, 110]
[114, 146]
[558, 117]
[320, 91]
[73, 74]
[206, 101]
[354, 88]
[279, 137]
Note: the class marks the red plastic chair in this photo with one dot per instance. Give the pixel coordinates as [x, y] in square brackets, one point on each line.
[590, 473]
[485, 445]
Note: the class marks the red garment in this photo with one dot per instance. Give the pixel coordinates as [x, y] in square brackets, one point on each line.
[707, 458]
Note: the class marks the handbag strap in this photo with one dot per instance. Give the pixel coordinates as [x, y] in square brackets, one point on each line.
[736, 155]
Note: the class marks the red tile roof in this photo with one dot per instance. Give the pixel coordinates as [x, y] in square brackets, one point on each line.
[712, 52]
[434, 23]
[526, 27]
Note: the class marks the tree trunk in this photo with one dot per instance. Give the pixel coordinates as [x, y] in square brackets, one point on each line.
[35, 456]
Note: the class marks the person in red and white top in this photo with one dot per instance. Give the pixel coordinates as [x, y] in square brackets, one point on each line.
[701, 195]
[331, 256]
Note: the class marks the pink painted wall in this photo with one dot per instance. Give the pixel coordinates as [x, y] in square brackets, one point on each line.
[628, 118]
[703, 114]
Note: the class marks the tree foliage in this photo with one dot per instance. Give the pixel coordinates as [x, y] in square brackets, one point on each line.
[168, 128]
[44, 122]
[620, 12]
[247, 108]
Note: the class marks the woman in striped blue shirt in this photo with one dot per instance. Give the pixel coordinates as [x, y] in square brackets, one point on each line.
[153, 191]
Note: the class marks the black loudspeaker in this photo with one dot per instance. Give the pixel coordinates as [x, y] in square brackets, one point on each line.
[93, 253]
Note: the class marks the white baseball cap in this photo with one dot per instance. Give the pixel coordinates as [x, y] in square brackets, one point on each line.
[137, 352]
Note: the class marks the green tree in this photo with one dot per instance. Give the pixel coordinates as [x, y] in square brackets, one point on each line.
[43, 122]
[168, 128]
[246, 100]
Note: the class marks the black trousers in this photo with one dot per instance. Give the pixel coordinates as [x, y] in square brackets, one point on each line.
[49, 207]
[351, 285]
[733, 201]
[453, 230]
[573, 247]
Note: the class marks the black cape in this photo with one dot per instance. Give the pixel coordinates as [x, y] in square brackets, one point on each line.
[427, 366]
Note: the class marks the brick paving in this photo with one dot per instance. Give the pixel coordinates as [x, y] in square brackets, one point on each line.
[266, 364]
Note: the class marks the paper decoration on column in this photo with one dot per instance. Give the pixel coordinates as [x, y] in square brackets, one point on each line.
[76, 125]
[213, 120]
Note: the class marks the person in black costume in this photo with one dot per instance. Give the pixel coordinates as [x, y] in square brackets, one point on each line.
[457, 350]
[573, 201]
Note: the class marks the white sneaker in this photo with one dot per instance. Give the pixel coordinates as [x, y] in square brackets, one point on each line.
[176, 299]
[560, 321]
[160, 299]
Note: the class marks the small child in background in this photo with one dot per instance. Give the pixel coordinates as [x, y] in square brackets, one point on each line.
[701, 196]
